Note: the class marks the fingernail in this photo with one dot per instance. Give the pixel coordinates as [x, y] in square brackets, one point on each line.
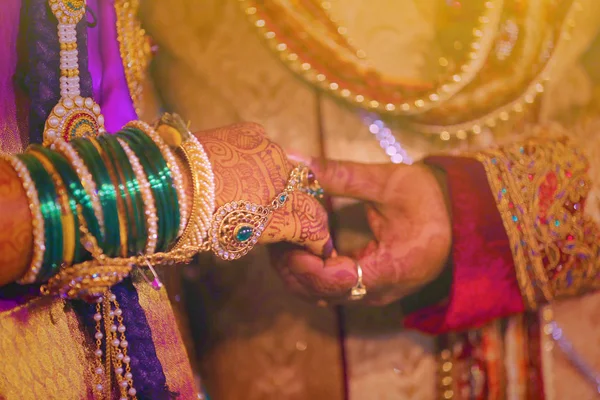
[328, 249]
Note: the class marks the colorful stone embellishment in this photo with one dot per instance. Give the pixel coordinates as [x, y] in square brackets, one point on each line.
[243, 233]
[74, 118]
[237, 226]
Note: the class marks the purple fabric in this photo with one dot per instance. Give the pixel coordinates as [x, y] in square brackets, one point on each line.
[40, 63]
[110, 85]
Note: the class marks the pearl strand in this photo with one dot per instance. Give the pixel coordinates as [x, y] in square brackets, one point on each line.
[107, 311]
[85, 177]
[149, 202]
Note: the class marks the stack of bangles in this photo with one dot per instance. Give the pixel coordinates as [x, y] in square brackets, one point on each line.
[105, 205]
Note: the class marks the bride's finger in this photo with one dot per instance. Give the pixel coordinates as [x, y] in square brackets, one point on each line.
[301, 221]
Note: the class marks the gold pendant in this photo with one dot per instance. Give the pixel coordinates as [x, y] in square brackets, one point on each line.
[73, 118]
[237, 227]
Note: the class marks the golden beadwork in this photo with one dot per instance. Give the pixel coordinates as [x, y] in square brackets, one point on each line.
[135, 49]
[68, 11]
[37, 220]
[448, 102]
[73, 116]
[176, 134]
[540, 187]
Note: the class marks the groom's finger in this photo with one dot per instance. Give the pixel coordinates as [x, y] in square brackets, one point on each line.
[365, 182]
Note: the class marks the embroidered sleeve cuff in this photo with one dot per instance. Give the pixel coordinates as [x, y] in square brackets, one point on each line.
[484, 284]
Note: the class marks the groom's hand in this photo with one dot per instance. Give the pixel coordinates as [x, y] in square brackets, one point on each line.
[408, 217]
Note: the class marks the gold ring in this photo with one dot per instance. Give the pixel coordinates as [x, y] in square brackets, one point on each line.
[359, 290]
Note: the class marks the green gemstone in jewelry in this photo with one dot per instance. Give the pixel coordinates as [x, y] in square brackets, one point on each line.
[243, 233]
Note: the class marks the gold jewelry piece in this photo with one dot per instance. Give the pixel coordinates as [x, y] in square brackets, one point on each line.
[37, 220]
[176, 134]
[237, 226]
[73, 116]
[173, 166]
[359, 290]
[135, 49]
[90, 279]
[310, 184]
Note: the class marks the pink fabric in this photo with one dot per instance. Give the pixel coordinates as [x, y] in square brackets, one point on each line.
[484, 283]
[10, 138]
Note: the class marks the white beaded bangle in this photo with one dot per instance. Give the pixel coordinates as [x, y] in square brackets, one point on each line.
[85, 177]
[146, 192]
[37, 220]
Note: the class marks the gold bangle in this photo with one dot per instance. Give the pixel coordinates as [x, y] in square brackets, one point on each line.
[172, 164]
[149, 202]
[67, 217]
[119, 200]
[37, 220]
[175, 133]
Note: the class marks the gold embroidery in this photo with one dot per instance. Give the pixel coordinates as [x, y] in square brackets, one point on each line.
[134, 46]
[44, 352]
[540, 187]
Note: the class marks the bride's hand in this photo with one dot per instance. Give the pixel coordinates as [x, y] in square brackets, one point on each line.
[249, 166]
[409, 220]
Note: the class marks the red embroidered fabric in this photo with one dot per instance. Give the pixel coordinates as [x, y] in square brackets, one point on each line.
[485, 285]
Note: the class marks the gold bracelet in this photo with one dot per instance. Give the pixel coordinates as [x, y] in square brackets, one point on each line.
[172, 164]
[174, 131]
[237, 226]
[37, 220]
[67, 217]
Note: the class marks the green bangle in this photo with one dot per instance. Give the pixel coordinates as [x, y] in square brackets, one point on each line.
[151, 167]
[77, 195]
[62, 168]
[106, 193]
[51, 213]
[159, 176]
[130, 192]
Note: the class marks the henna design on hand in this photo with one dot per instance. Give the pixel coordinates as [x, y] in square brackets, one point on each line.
[249, 166]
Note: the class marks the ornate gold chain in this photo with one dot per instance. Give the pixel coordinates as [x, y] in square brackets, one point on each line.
[135, 49]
